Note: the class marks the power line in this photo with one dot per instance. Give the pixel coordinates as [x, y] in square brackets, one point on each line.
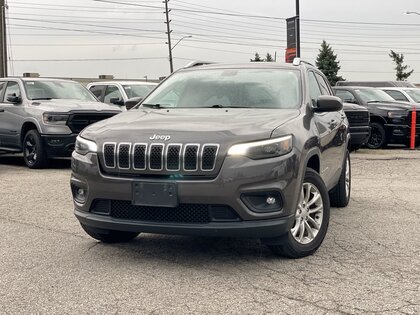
[88, 59]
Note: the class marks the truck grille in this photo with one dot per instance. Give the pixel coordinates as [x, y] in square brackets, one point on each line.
[417, 118]
[160, 157]
[358, 118]
[77, 122]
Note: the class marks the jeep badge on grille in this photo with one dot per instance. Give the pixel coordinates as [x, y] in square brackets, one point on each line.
[160, 137]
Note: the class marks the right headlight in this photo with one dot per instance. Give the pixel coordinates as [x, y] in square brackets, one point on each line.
[84, 146]
[263, 149]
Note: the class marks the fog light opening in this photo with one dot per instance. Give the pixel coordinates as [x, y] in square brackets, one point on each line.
[264, 201]
[79, 193]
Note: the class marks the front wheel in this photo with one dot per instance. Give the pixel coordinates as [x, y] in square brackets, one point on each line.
[377, 137]
[312, 217]
[109, 236]
[34, 153]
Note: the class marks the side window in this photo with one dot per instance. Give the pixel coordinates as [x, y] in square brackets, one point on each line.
[12, 89]
[314, 90]
[112, 92]
[345, 96]
[97, 90]
[325, 87]
[396, 95]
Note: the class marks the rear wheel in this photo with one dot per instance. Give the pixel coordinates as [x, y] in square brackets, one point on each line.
[311, 220]
[34, 153]
[377, 137]
[109, 236]
[340, 194]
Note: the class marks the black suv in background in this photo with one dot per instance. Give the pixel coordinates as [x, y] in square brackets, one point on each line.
[390, 120]
[243, 150]
[359, 125]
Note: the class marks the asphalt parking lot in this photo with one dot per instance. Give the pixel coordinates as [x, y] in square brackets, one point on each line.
[368, 263]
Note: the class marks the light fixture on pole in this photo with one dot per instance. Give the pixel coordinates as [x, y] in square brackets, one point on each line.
[411, 12]
[172, 48]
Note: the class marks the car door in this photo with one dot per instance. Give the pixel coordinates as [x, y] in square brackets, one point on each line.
[327, 124]
[10, 118]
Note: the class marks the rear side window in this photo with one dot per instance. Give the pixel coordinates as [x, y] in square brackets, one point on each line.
[346, 96]
[396, 95]
[97, 90]
[12, 89]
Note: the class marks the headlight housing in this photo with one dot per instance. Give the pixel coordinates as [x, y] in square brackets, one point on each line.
[397, 114]
[263, 149]
[84, 146]
[55, 119]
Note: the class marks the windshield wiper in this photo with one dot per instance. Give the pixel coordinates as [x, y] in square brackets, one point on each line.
[374, 102]
[42, 99]
[223, 106]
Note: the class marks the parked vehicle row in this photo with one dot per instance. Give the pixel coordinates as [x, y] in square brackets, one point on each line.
[390, 120]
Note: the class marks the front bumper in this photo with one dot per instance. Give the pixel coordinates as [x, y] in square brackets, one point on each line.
[400, 133]
[59, 145]
[238, 175]
[359, 135]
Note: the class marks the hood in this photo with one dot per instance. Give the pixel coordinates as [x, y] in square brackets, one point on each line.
[389, 106]
[190, 125]
[63, 106]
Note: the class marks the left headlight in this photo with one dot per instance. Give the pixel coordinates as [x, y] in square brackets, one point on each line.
[397, 114]
[55, 119]
[263, 149]
[84, 146]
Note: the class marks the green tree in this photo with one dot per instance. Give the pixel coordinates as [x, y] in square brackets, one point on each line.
[269, 58]
[257, 58]
[327, 62]
[402, 75]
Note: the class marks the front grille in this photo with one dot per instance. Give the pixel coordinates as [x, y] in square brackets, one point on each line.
[155, 157]
[417, 118]
[358, 118]
[78, 122]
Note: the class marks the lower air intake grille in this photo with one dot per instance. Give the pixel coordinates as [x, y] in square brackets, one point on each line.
[184, 213]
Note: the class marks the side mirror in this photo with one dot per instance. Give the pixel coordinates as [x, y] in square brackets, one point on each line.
[130, 103]
[116, 101]
[12, 98]
[328, 103]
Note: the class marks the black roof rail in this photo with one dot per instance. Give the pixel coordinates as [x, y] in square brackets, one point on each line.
[198, 63]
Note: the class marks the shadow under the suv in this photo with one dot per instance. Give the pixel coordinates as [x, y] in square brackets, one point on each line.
[17, 160]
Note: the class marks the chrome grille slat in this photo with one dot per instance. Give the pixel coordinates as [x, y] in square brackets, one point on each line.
[129, 157]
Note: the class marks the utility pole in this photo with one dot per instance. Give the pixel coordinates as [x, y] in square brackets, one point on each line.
[169, 31]
[297, 30]
[3, 42]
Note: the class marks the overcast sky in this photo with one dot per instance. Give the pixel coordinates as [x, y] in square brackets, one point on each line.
[63, 32]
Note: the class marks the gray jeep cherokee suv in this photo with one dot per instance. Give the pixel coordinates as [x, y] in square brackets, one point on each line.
[42, 117]
[249, 150]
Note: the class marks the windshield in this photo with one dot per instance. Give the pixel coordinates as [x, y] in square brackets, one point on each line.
[46, 90]
[414, 94]
[250, 88]
[374, 95]
[137, 90]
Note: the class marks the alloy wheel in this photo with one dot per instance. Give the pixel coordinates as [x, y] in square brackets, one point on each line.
[309, 214]
[31, 150]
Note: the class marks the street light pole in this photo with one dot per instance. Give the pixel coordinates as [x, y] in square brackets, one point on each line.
[169, 31]
[297, 30]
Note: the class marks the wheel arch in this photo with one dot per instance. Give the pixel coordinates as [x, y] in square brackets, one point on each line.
[377, 119]
[28, 125]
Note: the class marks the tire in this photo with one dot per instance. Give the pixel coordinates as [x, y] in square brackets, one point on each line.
[34, 153]
[289, 244]
[340, 194]
[110, 236]
[377, 137]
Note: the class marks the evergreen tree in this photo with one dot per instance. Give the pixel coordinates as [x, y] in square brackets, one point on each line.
[257, 58]
[399, 61]
[268, 58]
[327, 62]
